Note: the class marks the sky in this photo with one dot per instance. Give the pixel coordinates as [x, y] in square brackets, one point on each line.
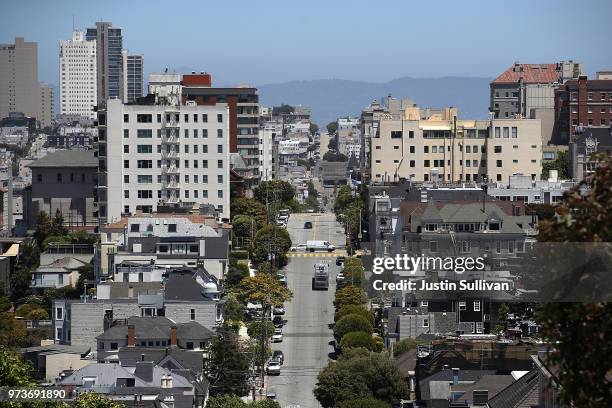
[262, 42]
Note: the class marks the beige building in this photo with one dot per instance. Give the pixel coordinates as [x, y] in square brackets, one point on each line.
[19, 88]
[47, 108]
[465, 151]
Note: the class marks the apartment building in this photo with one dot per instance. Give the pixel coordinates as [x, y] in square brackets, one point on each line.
[133, 77]
[583, 103]
[19, 88]
[109, 60]
[46, 113]
[78, 70]
[243, 104]
[456, 150]
[160, 152]
[268, 150]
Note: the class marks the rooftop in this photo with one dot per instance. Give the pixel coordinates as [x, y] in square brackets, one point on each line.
[67, 158]
[529, 74]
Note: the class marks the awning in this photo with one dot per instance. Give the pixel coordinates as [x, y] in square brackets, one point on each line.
[12, 251]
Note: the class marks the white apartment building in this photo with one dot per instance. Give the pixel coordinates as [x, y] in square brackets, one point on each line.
[162, 154]
[267, 149]
[473, 151]
[78, 76]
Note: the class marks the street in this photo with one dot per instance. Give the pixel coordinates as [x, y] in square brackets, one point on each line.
[306, 335]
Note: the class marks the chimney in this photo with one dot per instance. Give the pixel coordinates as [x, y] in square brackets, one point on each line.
[131, 335]
[455, 376]
[173, 336]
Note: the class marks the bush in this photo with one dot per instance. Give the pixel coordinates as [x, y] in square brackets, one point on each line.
[359, 339]
[363, 403]
[403, 346]
[355, 309]
[239, 254]
[350, 295]
[38, 314]
[351, 323]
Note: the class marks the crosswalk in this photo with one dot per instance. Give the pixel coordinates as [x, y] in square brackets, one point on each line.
[316, 254]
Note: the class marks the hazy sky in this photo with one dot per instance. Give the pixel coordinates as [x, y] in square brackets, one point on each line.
[260, 42]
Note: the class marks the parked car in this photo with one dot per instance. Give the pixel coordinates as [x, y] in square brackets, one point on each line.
[278, 310]
[277, 337]
[340, 260]
[271, 394]
[282, 278]
[274, 367]
[278, 321]
[298, 248]
[278, 356]
[308, 225]
[310, 211]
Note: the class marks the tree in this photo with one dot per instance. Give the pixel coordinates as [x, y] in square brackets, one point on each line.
[232, 309]
[353, 274]
[349, 295]
[502, 318]
[284, 109]
[226, 401]
[229, 366]
[580, 332]
[269, 191]
[561, 164]
[264, 289]
[332, 144]
[332, 156]
[57, 225]
[14, 370]
[351, 323]
[363, 403]
[243, 229]
[5, 304]
[359, 339]
[403, 346]
[44, 226]
[12, 332]
[344, 198]
[249, 207]
[355, 309]
[271, 240]
[265, 404]
[236, 272]
[543, 211]
[359, 373]
[314, 129]
[94, 400]
[260, 329]
[332, 127]
[38, 314]
[22, 275]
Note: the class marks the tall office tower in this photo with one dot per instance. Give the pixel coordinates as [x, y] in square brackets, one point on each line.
[133, 77]
[19, 88]
[109, 45]
[78, 79]
[161, 151]
[47, 105]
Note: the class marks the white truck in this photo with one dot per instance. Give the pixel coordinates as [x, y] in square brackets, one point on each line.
[312, 246]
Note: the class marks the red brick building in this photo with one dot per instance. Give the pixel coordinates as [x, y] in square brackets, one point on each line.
[583, 102]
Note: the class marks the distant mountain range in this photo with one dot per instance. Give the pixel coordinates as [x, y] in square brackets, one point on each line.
[333, 98]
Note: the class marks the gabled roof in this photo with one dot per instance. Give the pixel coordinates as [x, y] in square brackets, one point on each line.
[530, 74]
[492, 383]
[523, 393]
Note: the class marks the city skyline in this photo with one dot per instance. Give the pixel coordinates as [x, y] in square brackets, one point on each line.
[329, 41]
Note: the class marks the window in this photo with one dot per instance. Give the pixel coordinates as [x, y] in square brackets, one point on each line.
[433, 246]
[145, 179]
[220, 179]
[396, 134]
[144, 133]
[462, 305]
[204, 133]
[424, 303]
[145, 149]
[205, 164]
[145, 194]
[468, 149]
[412, 163]
[189, 343]
[171, 227]
[192, 314]
[514, 132]
[219, 148]
[126, 118]
[186, 133]
[219, 132]
[411, 134]
[59, 177]
[144, 118]
[134, 227]
[39, 178]
[145, 164]
[126, 193]
[204, 193]
[499, 163]
[497, 132]
[220, 193]
[126, 148]
[186, 116]
[59, 313]
[126, 164]
[204, 148]
[426, 163]
[477, 305]
[425, 322]
[411, 149]
[186, 164]
[479, 327]
[219, 118]
[506, 133]
[204, 117]
[195, 133]
[219, 164]
[425, 149]
[114, 346]
[186, 149]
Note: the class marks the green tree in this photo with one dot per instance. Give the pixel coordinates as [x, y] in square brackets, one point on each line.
[232, 308]
[332, 127]
[12, 332]
[226, 401]
[344, 198]
[44, 226]
[283, 109]
[57, 224]
[265, 404]
[271, 240]
[349, 295]
[251, 208]
[38, 314]
[260, 329]
[561, 164]
[355, 309]
[580, 332]
[363, 403]
[229, 366]
[359, 373]
[94, 400]
[359, 339]
[502, 318]
[332, 156]
[403, 346]
[22, 275]
[274, 190]
[14, 370]
[264, 289]
[314, 129]
[243, 229]
[351, 323]
[5, 304]
[353, 274]
[332, 144]
[236, 272]
[543, 211]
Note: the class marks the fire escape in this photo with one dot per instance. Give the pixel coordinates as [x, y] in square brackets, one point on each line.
[170, 149]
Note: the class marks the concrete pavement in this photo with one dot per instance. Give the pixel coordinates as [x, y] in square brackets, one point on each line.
[306, 334]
